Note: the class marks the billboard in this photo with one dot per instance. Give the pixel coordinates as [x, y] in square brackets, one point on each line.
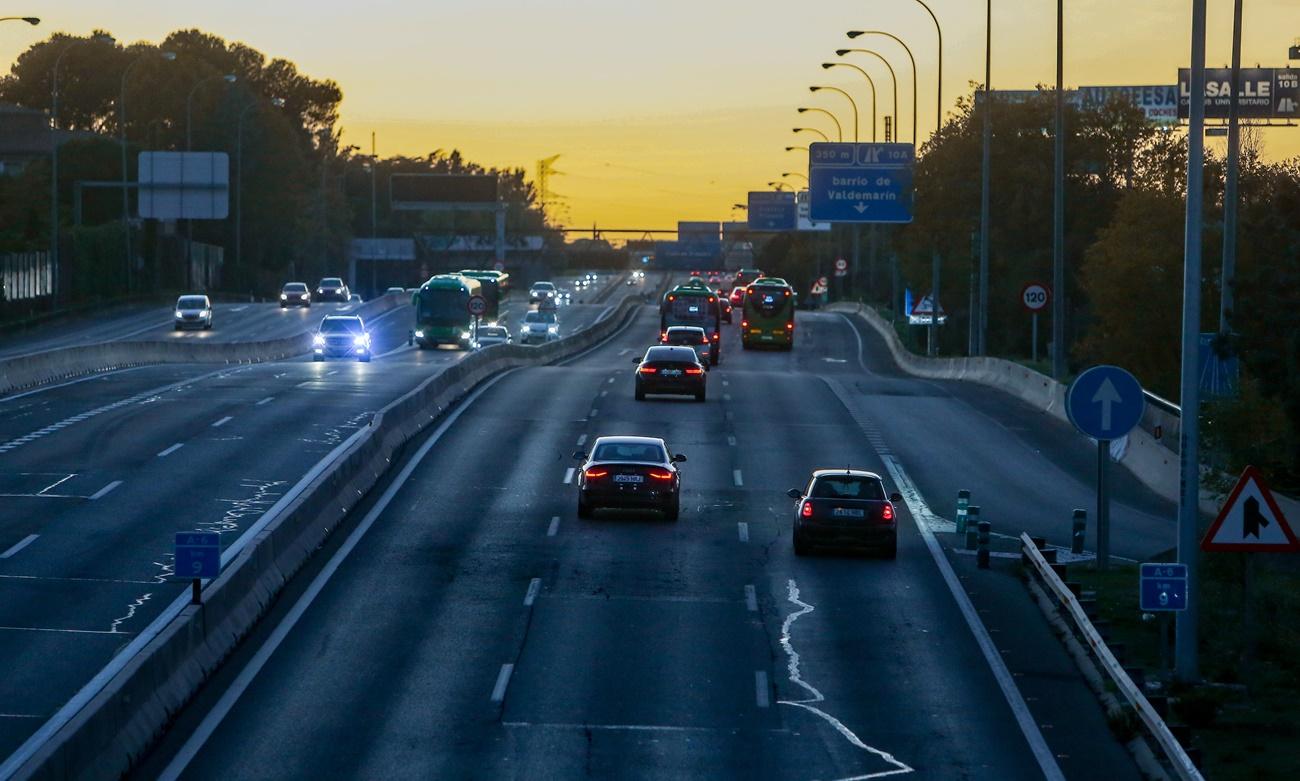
[1266, 93]
[687, 256]
[184, 185]
[421, 191]
[1158, 101]
[699, 232]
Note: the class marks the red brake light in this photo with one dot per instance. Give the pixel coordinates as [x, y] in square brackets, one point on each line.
[647, 370]
[749, 290]
[744, 323]
[672, 298]
[704, 340]
[787, 294]
[712, 299]
[789, 326]
[661, 474]
[888, 513]
[807, 510]
[592, 474]
[693, 370]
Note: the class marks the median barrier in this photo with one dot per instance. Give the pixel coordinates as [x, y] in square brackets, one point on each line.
[114, 720]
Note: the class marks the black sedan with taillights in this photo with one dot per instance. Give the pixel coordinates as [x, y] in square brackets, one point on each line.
[671, 370]
[845, 508]
[629, 473]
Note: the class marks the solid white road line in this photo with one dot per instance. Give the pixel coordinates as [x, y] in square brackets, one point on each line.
[23, 543]
[266, 400]
[503, 680]
[105, 491]
[751, 599]
[242, 681]
[534, 586]
[554, 527]
[222, 422]
[568, 475]
[760, 689]
[171, 450]
[1028, 726]
[742, 529]
[735, 475]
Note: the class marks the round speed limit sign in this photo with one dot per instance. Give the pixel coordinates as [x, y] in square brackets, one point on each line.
[1035, 296]
[477, 306]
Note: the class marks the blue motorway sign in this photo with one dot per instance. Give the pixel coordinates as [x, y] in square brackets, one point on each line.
[1105, 402]
[772, 210]
[198, 555]
[861, 182]
[1163, 587]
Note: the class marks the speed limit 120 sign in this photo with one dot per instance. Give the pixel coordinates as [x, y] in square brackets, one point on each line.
[1035, 296]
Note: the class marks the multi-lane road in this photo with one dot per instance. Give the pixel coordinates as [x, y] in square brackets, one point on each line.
[471, 626]
[98, 473]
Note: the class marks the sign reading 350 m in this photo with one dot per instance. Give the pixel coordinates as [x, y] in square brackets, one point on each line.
[861, 182]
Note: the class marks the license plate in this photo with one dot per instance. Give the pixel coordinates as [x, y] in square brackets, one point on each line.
[629, 479]
[848, 512]
[672, 372]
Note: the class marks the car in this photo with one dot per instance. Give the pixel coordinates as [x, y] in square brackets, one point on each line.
[332, 289]
[629, 473]
[689, 336]
[353, 298]
[395, 291]
[737, 296]
[725, 306]
[489, 335]
[666, 369]
[563, 297]
[539, 327]
[295, 294]
[541, 291]
[845, 508]
[341, 336]
[193, 311]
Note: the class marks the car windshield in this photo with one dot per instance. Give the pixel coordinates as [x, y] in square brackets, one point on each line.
[630, 451]
[337, 325]
[192, 302]
[848, 487]
[540, 317]
[295, 287]
[331, 282]
[543, 286]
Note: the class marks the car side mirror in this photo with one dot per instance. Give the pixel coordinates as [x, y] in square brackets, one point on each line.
[679, 458]
[794, 493]
[635, 359]
[895, 497]
[579, 455]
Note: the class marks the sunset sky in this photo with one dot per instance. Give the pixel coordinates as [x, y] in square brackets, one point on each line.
[663, 109]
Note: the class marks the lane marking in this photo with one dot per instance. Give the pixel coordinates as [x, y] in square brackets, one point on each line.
[1028, 726]
[725, 383]
[726, 397]
[534, 586]
[568, 475]
[736, 476]
[61, 631]
[731, 440]
[171, 450]
[55, 484]
[611, 380]
[554, 527]
[751, 599]
[625, 351]
[742, 529]
[23, 543]
[795, 676]
[604, 393]
[105, 491]
[223, 421]
[593, 412]
[503, 680]
[266, 400]
[760, 689]
[628, 727]
[582, 440]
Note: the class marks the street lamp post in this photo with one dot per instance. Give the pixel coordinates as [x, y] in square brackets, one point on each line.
[839, 131]
[228, 78]
[938, 126]
[32, 20]
[870, 81]
[778, 185]
[811, 130]
[789, 174]
[370, 167]
[852, 103]
[121, 122]
[893, 77]
[854, 34]
[1058, 206]
[239, 174]
[796, 149]
[986, 174]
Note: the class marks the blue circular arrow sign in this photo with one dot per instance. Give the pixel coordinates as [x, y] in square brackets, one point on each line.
[1105, 402]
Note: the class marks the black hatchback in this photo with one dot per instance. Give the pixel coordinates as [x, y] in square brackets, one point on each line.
[672, 370]
[845, 508]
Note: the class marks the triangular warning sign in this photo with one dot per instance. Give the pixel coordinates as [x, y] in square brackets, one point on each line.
[925, 307]
[1250, 520]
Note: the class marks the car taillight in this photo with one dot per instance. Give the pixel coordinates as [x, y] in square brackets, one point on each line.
[744, 323]
[807, 510]
[693, 370]
[663, 336]
[592, 474]
[661, 474]
[789, 326]
[887, 514]
[715, 336]
[787, 294]
[647, 370]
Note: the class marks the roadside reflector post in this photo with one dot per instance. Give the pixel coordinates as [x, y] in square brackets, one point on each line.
[963, 502]
[972, 521]
[1079, 528]
[196, 592]
[982, 556]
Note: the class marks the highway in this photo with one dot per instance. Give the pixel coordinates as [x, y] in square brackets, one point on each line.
[96, 475]
[472, 627]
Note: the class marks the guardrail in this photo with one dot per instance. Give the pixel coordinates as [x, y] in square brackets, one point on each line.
[1173, 751]
[115, 718]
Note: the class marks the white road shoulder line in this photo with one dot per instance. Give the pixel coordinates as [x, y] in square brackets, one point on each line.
[503, 680]
[170, 450]
[582, 440]
[742, 529]
[106, 490]
[23, 543]
[222, 422]
[568, 475]
[738, 478]
[534, 586]
[266, 400]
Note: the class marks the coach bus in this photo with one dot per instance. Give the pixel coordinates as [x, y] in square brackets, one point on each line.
[768, 315]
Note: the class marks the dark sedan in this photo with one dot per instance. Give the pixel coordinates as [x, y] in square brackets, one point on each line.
[295, 294]
[629, 473]
[332, 289]
[670, 370]
[845, 508]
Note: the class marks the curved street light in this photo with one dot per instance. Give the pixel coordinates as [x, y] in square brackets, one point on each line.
[938, 93]
[32, 20]
[870, 81]
[789, 174]
[810, 130]
[799, 148]
[121, 128]
[839, 131]
[892, 76]
[853, 34]
[852, 103]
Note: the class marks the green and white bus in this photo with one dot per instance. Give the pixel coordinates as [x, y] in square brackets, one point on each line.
[442, 311]
[768, 315]
[693, 304]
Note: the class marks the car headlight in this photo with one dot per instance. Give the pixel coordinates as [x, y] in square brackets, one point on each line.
[284, 297]
[419, 334]
[550, 329]
[319, 291]
[464, 334]
[179, 314]
[318, 340]
[205, 313]
[361, 341]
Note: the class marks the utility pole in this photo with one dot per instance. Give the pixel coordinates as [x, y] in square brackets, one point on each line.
[1227, 280]
[986, 173]
[1058, 206]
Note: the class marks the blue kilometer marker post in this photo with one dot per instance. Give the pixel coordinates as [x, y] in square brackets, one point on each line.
[1163, 587]
[198, 557]
[864, 183]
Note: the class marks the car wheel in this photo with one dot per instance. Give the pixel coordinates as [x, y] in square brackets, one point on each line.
[800, 547]
[674, 510]
[207, 327]
[584, 509]
[744, 345]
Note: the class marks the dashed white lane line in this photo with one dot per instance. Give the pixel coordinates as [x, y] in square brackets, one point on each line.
[266, 400]
[222, 422]
[105, 491]
[582, 440]
[604, 393]
[170, 450]
[625, 351]
[593, 412]
[568, 475]
[726, 397]
[503, 680]
[742, 529]
[554, 527]
[23, 543]
[534, 586]
[738, 478]
[725, 383]
[611, 380]
[760, 689]
[731, 440]
[751, 599]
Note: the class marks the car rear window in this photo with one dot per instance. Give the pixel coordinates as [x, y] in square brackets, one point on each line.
[630, 451]
[671, 354]
[682, 336]
[848, 487]
[492, 332]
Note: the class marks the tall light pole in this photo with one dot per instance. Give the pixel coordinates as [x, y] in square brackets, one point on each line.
[852, 103]
[1231, 177]
[121, 127]
[32, 20]
[810, 130]
[778, 185]
[986, 175]
[228, 78]
[938, 92]
[239, 173]
[839, 131]
[54, 153]
[893, 77]
[370, 166]
[871, 82]
[1058, 205]
[854, 34]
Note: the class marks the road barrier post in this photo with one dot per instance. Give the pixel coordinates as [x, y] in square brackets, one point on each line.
[982, 556]
[963, 501]
[1080, 528]
[972, 521]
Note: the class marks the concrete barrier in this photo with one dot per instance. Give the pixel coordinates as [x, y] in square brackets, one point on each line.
[26, 371]
[116, 718]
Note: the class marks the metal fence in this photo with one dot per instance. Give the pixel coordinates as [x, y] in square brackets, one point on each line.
[25, 276]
